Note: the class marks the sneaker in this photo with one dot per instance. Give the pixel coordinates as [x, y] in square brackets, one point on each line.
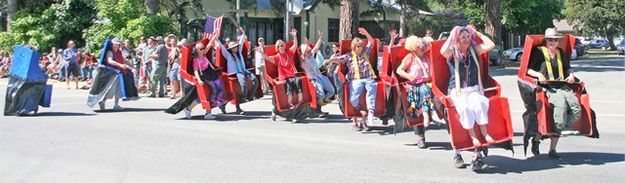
[458, 161]
[478, 165]
[102, 107]
[370, 119]
[421, 144]
[569, 132]
[273, 116]
[209, 116]
[365, 127]
[187, 113]
[356, 128]
[117, 108]
[553, 155]
[297, 121]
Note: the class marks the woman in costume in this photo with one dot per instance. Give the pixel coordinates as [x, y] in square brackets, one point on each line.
[107, 83]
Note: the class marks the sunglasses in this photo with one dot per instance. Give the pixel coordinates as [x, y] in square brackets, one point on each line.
[201, 49]
[281, 45]
[553, 39]
[465, 37]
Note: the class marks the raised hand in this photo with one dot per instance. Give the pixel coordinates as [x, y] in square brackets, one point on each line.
[293, 32]
[320, 34]
[363, 31]
[393, 34]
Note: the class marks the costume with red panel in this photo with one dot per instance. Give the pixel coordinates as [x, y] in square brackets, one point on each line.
[278, 85]
[499, 121]
[200, 92]
[538, 117]
[382, 101]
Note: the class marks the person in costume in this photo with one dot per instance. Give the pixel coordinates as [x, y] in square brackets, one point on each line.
[553, 71]
[236, 66]
[415, 67]
[285, 59]
[323, 88]
[106, 84]
[360, 76]
[465, 84]
[26, 89]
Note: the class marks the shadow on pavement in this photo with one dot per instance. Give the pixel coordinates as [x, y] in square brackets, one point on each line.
[63, 114]
[504, 165]
[130, 110]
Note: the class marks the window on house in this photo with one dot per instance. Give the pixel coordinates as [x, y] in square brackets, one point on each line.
[333, 29]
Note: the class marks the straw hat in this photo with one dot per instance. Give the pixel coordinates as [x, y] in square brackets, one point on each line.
[552, 33]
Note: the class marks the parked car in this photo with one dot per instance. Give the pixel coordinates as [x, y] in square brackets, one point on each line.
[599, 43]
[574, 55]
[621, 48]
[495, 56]
[584, 41]
[513, 54]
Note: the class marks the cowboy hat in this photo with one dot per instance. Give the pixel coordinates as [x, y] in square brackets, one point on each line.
[552, 33]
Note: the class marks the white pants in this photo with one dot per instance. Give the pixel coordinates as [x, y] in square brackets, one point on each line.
[472, 106]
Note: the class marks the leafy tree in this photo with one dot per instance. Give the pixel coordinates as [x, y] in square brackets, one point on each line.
[602, 17]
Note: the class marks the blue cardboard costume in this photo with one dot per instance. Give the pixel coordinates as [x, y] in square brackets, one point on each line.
[27, 87]
[111, 81]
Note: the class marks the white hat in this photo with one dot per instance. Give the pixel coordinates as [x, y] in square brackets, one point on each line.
[552, 33]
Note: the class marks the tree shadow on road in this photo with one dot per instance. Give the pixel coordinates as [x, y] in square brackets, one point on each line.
[505, 165]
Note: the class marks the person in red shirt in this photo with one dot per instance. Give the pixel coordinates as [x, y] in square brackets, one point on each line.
[286, 71]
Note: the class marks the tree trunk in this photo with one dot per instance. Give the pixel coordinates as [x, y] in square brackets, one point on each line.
[152, 6]
[12, 6]
[610, 36]
[349, 19]
[493, 20]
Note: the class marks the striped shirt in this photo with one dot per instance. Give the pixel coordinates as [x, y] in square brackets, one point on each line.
[363, 64]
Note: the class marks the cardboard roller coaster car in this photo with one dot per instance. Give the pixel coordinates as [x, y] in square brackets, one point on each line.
[126, 81]
[27, 88]
[232, 88]
[188, 73]
[343, 93]
[499, 125]
[392, 59]
[278, 86]
[535, 98]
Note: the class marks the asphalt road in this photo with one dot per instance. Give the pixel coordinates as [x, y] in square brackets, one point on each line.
[70, 143]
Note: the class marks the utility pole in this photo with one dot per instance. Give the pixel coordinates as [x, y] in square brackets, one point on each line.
[238, 13]
[287, 17]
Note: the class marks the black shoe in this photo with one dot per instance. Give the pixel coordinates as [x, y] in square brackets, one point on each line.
[385, 122]
[535, 147]
[553, 155]
[152, 96]
[484, 151]
[421, 144]
[477, 165]
[458, 162]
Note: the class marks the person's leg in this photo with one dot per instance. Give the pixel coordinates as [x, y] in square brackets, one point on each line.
[420, 132]
[243, 83]
[552, 148]
[372, 88]
[355, 90]
[327, 88]
[67, 75]
[318, 90]
[300, 90]
[162, 81]
[558, 102]
[574, 110]
[154, 82]
[254, 80]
